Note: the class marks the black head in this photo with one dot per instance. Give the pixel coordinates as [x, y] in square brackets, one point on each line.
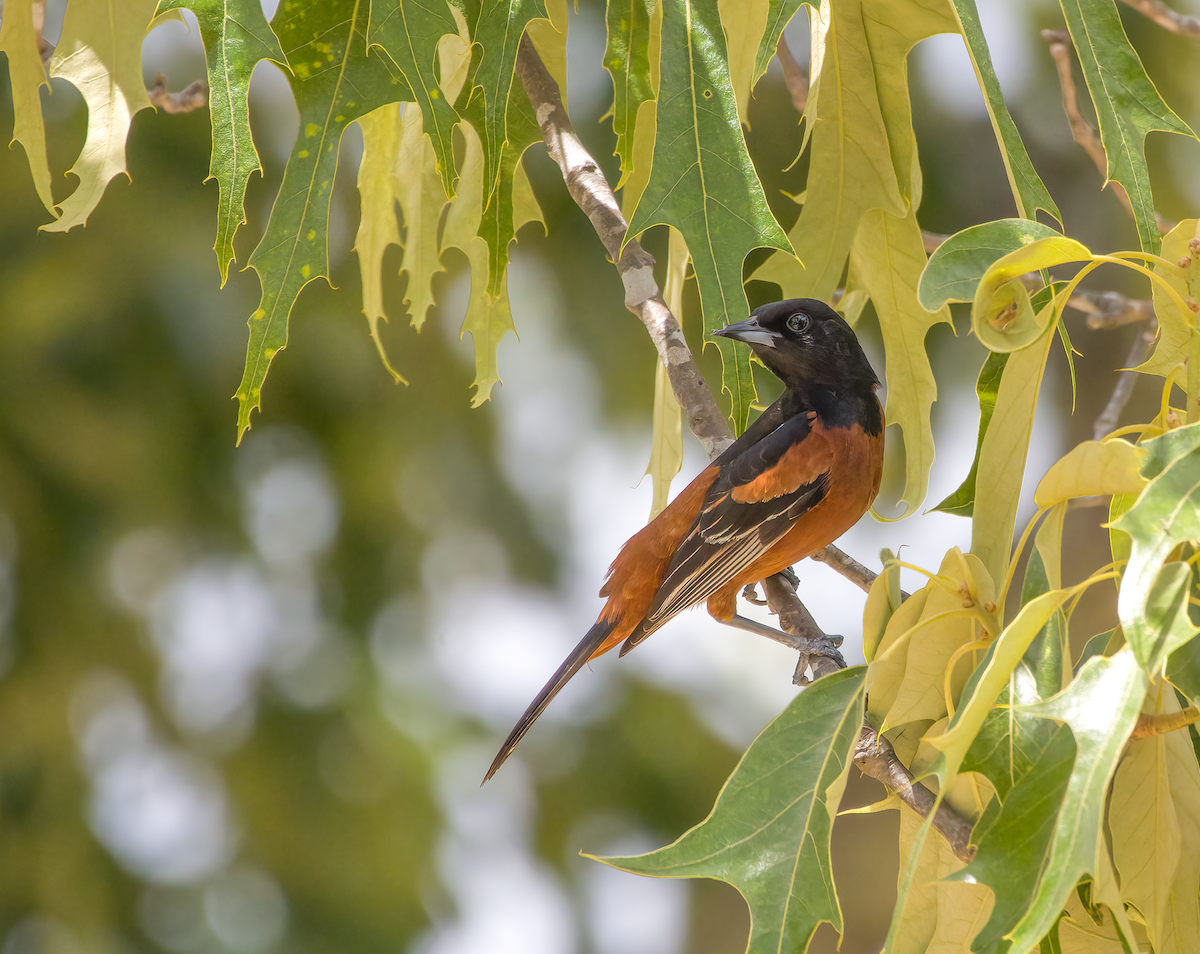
[804, 341]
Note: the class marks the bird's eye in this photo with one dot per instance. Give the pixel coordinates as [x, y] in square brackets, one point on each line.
[798, 324]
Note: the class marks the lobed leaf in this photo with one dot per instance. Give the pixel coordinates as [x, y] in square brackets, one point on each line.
[1029, 192]
[888, 256]
[1174, 326]
[744, 23]
[415, 183]
[1165, 515]
[26, 77]
[236, 36]
[1101, 707]
[100, 53]
[1128, 106]
[779, 15]
[498, 31]
[957, 265]
[628, 59]
[703, 183]
[408, 32]
[377, 226]
[768, 834]
[334, 82]
[1016, 844]
[1154, 816]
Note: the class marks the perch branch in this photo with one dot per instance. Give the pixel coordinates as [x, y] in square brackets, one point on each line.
[793, 75]
[1148, 725]
[875, 757]
[1081, 130]
[1181, 23]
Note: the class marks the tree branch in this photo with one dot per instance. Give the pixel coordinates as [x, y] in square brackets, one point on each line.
[875, 757]
[1081, 130]
[1162, 723]
[191, 97]
[1106, 423]
[1165, 17]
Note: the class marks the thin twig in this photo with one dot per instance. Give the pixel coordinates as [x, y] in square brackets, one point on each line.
[1182, 23]
[875, 757]
[793, 75]
[1081, 130]
[1162, 723]
[1106, 423]
[191, 97]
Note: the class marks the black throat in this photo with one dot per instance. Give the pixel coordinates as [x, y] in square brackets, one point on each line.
[854, 404]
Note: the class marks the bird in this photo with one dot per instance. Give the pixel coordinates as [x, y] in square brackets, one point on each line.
[797, 478]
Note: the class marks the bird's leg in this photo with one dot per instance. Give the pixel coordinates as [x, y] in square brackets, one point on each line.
[817, 650]
[822, 655]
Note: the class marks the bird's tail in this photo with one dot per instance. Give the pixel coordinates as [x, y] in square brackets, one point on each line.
[572, 664]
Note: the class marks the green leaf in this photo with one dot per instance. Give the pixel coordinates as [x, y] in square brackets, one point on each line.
[703, 183]
[1128, 106]
[1101, 707]
[377, 225]
[666, 448]
[1183, 669]
[408, 31]
[1014, 848]
[779, 14]
[1164, 450]
[1028, 190]
[888, 256]
[1174, 326]
[1165, 515]
[334, 82]
[100, 53]
[957, 265]
[236, 36]
[627, 59]
[987, 387]
[501, 25]
[26, 77]
[768, 834]
[1154, 816]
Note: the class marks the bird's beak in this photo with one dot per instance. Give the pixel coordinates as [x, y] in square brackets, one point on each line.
[749, 331]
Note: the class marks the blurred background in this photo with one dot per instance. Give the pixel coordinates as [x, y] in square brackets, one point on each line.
[247, 694]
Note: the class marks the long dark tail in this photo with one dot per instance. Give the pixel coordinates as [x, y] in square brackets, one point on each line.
[571, 665]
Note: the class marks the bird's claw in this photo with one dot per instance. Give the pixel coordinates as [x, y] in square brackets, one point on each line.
[822, 656]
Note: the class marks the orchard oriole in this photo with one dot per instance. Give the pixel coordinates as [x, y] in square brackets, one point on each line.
[798, 478]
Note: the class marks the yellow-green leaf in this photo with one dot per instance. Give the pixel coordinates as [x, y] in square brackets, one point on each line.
[888, 257]
[377, 226]
[1174, 327]
[666, 447]
[1093, 468]
[744, 23]
[26, 77]
[100, 53]
[414, 180]
[1002, 316]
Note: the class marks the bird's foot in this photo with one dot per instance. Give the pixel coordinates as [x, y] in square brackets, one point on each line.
[821, 655]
